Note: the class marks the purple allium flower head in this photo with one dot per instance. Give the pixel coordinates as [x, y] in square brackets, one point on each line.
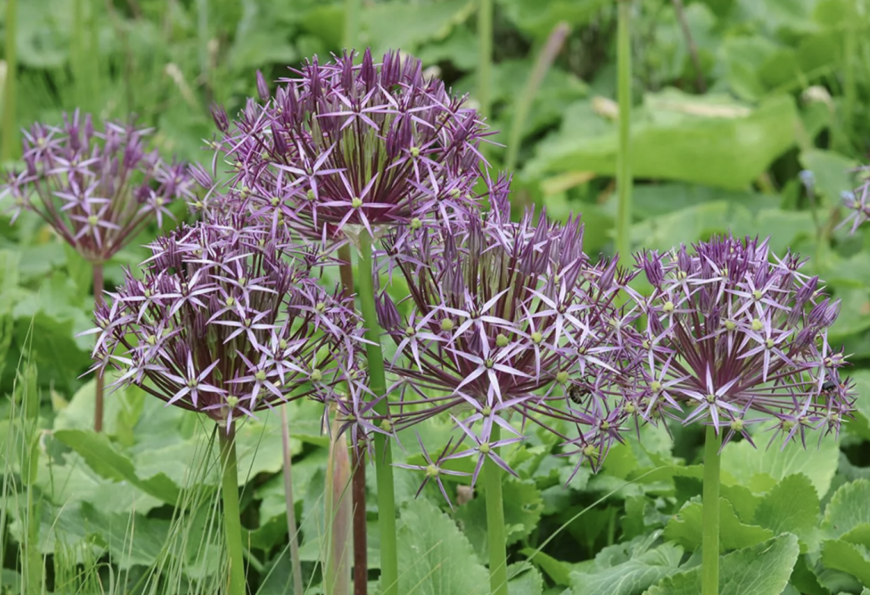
[353, 144]
[96, 189]
[226, 322]
[734, 336]
[509, 321]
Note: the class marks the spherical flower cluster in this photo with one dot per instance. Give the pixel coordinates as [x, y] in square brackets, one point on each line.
[510, 322]
[96, 189]
[226, 322]
[352, 145]
[731, 332]
[856, 202]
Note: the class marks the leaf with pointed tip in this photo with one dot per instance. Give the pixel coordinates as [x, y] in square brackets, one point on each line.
[762, 569]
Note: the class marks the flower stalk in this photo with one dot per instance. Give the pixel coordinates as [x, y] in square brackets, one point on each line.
[710, 514]
[98, 302]
[10, 130]
[623, 165]
[295, 562]
[484, 67]
[383, 453]
[495, 528]
[232, 520]
[337, 578]
[358, 462]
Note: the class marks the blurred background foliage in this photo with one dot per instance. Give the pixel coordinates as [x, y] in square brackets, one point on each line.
[733, 99]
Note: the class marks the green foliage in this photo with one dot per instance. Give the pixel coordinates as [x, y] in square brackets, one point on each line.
[435, 558]
[133, 510]
[685, 528]
[628, 568]
[762, 569]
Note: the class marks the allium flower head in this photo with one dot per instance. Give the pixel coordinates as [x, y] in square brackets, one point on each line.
[856, 203]
[96, 189]
[504, 321]
[735, 336]
[225, 322]
[353, 144]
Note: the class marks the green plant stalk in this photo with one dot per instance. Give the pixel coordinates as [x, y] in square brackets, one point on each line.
[8, 128]
[351, 23]
[295, 562]
[29, 466]
[850, 53]
[358, 489]
[98, 396]
[383, 453]
[484, 64]
[495, 530]
[231, 511]
[338, 513]
[536, 77]
[710, 515]
[77, 51]
[623, 159]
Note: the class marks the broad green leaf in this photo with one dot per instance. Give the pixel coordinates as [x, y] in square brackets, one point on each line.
[123, 405]
[557, 92]
[708, 140]
[791, 507]
[559, 572]
[460, 48]
[130, 539]
[523, 506]
[847, 515]
[861, 423]
[630, 576]
[435, 557]
[762, 569]
[102, 457]
[685, 527]
[760, 469]
[75, 481]
[654, 200]
[689, 224]
[848, 557]
[391, 25]
[831, 172]
[536, 19]
[524, 580]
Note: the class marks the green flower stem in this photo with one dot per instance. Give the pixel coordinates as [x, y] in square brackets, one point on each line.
[495, 529]
[98, 301]
[232, 513]
[383, 453]
[8, 127]
[710, 515]
[358, 489]
[337, 576]
[623, 160]
[33, 575]
[484, 66]
[351, 23]
[536, 77]
[292, 531]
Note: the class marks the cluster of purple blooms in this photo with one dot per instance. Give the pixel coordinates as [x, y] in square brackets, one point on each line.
[509, 322]
[506, 325]
[97, 190]
[735, 336]
[227, 321]
[344, 146]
